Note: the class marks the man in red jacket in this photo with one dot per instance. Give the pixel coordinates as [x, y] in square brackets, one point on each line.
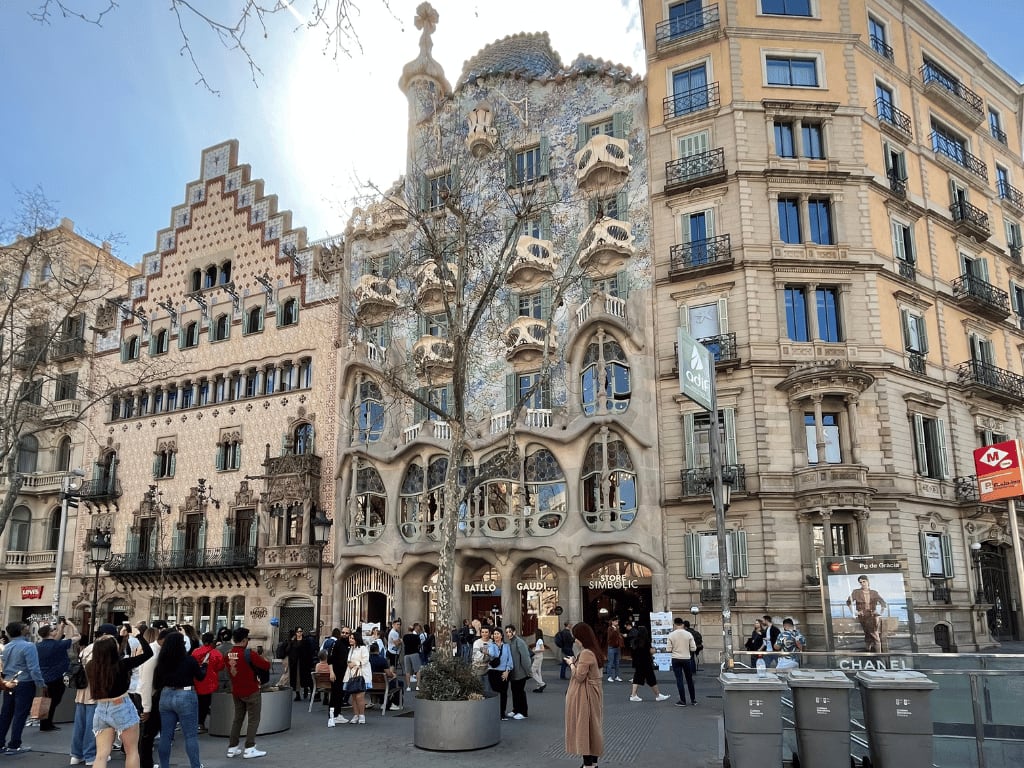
[206, 687]
[245, 688]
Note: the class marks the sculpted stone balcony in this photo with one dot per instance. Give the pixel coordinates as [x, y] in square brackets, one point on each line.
[433, 356]
[62, 410]
[607, 246]
[376, 298]
[219, 566]
[526, 337]
[31, 561]
[292, 464]
[42, 482]
[838, 478]
[601, 304]
[534, 264]
[602, 163]
[291, 556]
[376, 219]
[432, 283]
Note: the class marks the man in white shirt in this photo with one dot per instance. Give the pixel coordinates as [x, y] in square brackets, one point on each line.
[395, 642]
[682, 645]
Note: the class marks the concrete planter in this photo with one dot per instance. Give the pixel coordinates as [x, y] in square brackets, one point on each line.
[456, 726]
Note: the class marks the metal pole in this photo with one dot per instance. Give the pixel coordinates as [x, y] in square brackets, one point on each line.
[95, 600]
[1018, 559]
[719, 503]
[319, 587]
[61, 538]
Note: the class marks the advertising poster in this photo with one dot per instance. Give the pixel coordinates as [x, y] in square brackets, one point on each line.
[867, 609]
[661, 626]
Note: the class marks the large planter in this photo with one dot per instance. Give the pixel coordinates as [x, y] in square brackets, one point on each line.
[456, 726]
[275, 712]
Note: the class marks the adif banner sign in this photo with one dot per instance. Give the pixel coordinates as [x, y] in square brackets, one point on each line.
[999, 471]
[696, 370]
[867, 609]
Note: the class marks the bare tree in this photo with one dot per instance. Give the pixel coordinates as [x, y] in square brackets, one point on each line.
[58, 291]
[233, 24]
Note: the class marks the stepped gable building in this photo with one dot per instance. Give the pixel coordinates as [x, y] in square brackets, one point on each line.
[836, 213]
[549, 159]
[223, 464]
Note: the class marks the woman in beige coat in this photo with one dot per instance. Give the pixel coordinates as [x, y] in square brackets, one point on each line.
[584, 701]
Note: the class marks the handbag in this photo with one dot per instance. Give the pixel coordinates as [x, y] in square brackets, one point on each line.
[40, 708]
[494, 662]
[355, 684]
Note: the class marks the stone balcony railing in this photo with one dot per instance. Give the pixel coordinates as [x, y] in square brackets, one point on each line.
[26, 561]
[438, 429]
[375, 297]
[432, 283]
[527, 336]
[62, 410]
[601, 302]
[603, 162]
[42, 482]
[433, 354]
[535, 261]
[607, 246]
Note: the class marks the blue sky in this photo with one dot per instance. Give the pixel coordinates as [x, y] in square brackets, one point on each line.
[110, 123]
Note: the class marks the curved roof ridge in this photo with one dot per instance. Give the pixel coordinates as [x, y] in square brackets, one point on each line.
[524, 53]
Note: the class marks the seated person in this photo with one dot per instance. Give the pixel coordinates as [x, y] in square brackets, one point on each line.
[379, 663]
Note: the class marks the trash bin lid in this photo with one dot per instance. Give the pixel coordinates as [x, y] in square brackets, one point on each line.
[819, 678]
[895, 678]
[733, 681]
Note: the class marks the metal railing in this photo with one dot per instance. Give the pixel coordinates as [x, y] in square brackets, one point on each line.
[692, 168]
[907, 269]
[699, 253]
[97, 490]
[975, 372]
[672, 30]
[966, 488]
[698, 481]
[965, 213]
[888, 113]
[916, 362]
[971, 286]
[956, 152]
[186, 559]
[932, 75]
[998, 134]
[1010, 194]
[694, 100]
[723, 347]
[63, 348]
[878, 45]
[898, 184]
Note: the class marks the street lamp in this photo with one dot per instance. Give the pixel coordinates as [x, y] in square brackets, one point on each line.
[70, 484]
[321, 532]
[976, 557]
[99, 553]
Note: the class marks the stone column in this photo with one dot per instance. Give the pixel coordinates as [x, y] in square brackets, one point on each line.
[819, 429]
[852, 427]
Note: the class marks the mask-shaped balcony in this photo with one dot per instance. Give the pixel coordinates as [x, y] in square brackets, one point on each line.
[535, 263]
[525, 339]
[376, 219]
[433, 356]
[432, 283]
[376, 298]
[607, 246]
[602, 163]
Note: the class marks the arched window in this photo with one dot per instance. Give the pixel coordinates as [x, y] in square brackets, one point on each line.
[254, 319]
[289, 313]
[605, 379]
[28, 454]
[229, 454]
[130, 349]
[47, 271]
[221, 328]
[546, 502]
[190, 336]
[210, 277]
[21, 521]
[302, 438]
[369, 415]
[64, 454]
[293, 525]
[195, 281]
[225, 273]
[371, 503]
[411, 505]
[609, 486]
[164, 461]
[159, 345]
[53, 532]
[496, 504]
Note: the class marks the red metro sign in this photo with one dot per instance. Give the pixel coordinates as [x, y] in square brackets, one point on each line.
[1000, 475]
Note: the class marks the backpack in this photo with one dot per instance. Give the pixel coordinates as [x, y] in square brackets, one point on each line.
[262, 675]
[281, 652]
[75, 677]
[698, 639]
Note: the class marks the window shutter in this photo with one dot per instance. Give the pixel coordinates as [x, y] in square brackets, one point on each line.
[622, 283]
[156, 466]
[228, 537]
[943, 464]
[171, 464]
[385, 335]
[178, 541]
[582, 135]
[947, 556]
[202, 536]
[253, 530]
[691, 456]
[738, 559]
[421, 325]
[423, 192]
[622, 206]
[545, 156]
[212, 330]
[124, 350]
[510, 169]
[545, 224]
[592, 208]
[153, 349]
[984, 269]
[731, 452]
[133, 543]
[182, 335]
[511, 390]
[1013, 298]
[919, 445]
[619, 125]
[587, 284]
[419, 410]
[899, 249]
[154, 541]
[513, 305]
[926, 569]
[922, 333]
[221, 449]
[905, 321]
[723, 315]
[454, 179]
[693, 556]
[684, 318]
[546, 297]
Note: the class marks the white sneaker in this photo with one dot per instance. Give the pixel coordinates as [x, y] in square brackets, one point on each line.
[362, 719]
[611, 679]
[395, 708]
[77, 760]
[635, 698]
[234, 751]
[618, 679]
[510, 713]
[339, 720]
[330, 722]
[662, 697]
[518, 716]
[253, 752]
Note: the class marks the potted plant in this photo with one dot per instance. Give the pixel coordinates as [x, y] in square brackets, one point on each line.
[452, 713]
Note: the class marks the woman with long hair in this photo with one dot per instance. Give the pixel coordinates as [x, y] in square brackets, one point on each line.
[643, 666]
[584, 700]
[109, 675]
[175, 675]
[538, 660]
[358, 668]
[499, 668]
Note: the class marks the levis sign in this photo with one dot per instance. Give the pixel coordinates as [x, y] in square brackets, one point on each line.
[32, 593]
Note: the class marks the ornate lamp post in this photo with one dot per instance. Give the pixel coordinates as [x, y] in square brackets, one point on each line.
[321, 532]
[99, 553]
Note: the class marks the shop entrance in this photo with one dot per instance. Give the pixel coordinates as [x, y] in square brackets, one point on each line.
[616, 589]
[538, 592]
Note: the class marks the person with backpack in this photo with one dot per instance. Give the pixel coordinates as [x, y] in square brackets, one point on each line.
[564, 642]
[698, 638]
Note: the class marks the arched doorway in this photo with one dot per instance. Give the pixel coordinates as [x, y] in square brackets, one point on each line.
[538, 588]
[370, 597]
[995, 578]
[619, 589]
[484, 588]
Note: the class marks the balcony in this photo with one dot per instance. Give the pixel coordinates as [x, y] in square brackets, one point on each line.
[31, 561]
[955, 152]
[673, 31]
[984, 298]
[995, 384]
[66, 349]
[893, 119]
[602, 163]
[698, 481]
[692, 101]
[916, 362]
[1010, 194]
[292, 464]
[376, 298]
[433, 284]
[100, 490]
[692, 171]
[830, 478]
[29, 357]
[957, 96]
[700, 257]
[433, 355]
[39, 483]
[607, 246]
[711, 592]
[526, 337]
[897, 185]
[193, 567]
[601, 303]
[62, 410]
[907, 269]
[534, 264]
[290, 556]
[882, 48]
[970, 220]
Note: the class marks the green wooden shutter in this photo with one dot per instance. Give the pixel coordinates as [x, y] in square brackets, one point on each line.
[926, 569]
[691, 445]
[545, 156]
[154, 541]
[1013, 298]
[943, 464]
[228, 536]
[582, 135]
[156, 466]
[738, 565]
[919, 445]
[947, 556]
[253, 530]
[172, 463]
[905, 321]
[592, 208]
[202, 535]
[622, 206]
[513, 305]
[132, 543]
[511, 390]
[619, 125]
[421, 325]
[219, 462]
[622, 283]
[723, 315]
[419, 410]
[899, 246]
[177, 546]
[546, 297]
[693, 556]
[587, 284]
[731, 453]
[922, 333]
[545, 224]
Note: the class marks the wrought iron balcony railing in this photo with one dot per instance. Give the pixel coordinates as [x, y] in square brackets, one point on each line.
[970, 287]
[932, 75]
[63, 349]
[699, 253]
[181, 560]
[908, 270]
[694, 100]
[998, 134]
[996, 380]
[1010, 194]
[673, 30]
[888, 113]
[916, 362]
[711, 591]
[99, 490]
[956, 152]
[723, 347]
[970, 215]
[698, 481]
[879, 46]
[898, 184]
[966, 488]
[29, 356]
[684, 172]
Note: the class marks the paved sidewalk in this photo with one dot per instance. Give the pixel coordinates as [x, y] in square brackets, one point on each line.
[643, 734]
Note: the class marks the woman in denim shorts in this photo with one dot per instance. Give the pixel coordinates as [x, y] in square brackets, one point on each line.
[109, 677]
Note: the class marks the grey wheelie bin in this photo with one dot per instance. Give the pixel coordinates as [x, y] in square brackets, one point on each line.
[753, 720]
[821, 706]
[898, 717]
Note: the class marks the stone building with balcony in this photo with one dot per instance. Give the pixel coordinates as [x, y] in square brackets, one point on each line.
[551, 156]
[219, 465]
[834, 192]
[54, 313]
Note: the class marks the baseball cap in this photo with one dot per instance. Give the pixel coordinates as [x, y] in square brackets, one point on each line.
[106, 629]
